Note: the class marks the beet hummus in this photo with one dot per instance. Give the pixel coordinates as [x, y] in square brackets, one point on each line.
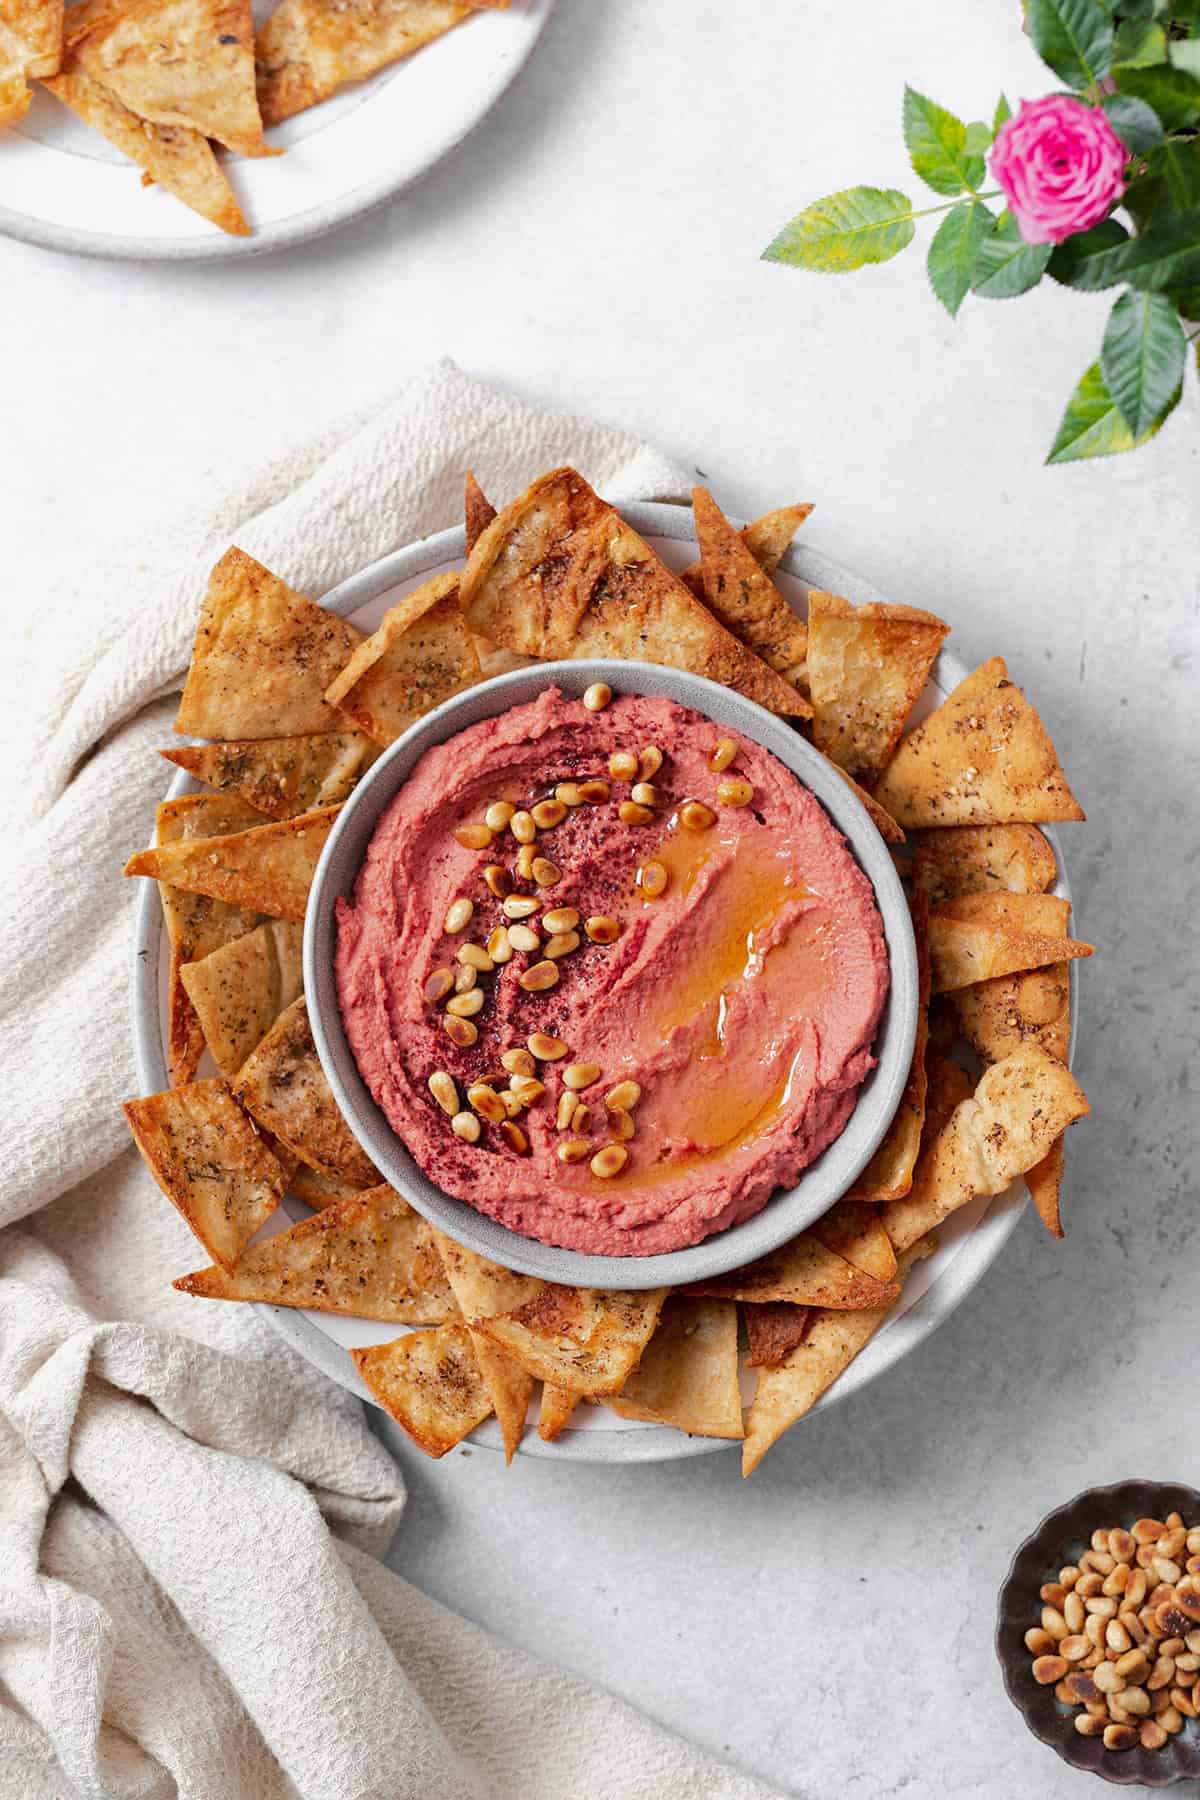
[736, 998]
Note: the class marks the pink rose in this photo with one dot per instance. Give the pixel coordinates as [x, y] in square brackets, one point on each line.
[1061, 165]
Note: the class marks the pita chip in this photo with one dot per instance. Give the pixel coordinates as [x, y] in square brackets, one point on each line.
[857, 1233]
[881, 818]
[688, 1373]
[983, 758]
[316, 1190]
[15, 92]
[421, 654]
[177, 159]
[804, 1272]
[210, 1162]
[482, 1289]
[773, 1329]
[370, 1256]
[196, 924]
[268, 869]
[558, 573]
[429, 1382]
[1044, 1182]
[982, 859]
[867, 666]
[239, 991]
[888, 1175]
[36, 30]
[554, 1411]
[741, 594]
[284, 1087]
[262, 659]
[308, 49]
[584, 1339]
[282, 777]
[478, 511]
[1034, 1006]
[767, 540]
[981, 936]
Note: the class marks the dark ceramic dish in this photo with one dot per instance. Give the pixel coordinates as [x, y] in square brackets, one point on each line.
[1059, 1540]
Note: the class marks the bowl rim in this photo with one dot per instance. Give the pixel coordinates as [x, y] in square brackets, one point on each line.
[788, 1211]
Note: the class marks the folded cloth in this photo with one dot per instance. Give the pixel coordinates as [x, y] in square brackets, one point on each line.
[190, 1516]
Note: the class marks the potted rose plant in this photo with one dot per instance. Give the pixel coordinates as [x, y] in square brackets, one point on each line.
[1100, 187]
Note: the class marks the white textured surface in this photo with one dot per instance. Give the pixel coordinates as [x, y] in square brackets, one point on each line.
[828, 1624]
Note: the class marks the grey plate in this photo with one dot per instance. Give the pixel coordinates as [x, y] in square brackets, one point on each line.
[789, 1210]
[969, 1242]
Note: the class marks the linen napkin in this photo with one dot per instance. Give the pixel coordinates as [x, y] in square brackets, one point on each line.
[190, 1604]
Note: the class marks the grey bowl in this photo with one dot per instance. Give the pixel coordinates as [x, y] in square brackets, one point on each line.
[789, 1210]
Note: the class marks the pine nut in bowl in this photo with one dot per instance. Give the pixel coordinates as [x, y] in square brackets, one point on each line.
[577, 905]
[1099, 1651]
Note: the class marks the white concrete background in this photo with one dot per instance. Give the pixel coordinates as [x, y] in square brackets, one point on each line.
[828, 1624]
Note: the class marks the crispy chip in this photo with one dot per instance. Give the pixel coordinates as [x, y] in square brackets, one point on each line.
[888, 1175]
[309, 48]
[369, 1256]
[478, 512]
[196, 924]
[284, 1087]
[947, 1085]
[1019, 1108]
[804, 1272]
[1044, 1182]
[981, 936]
[979, 859]
[421, 654]
[314, 1189]
[559, 574]
[743, 597]
[240, 990]
[867, 666]
[983, 758]
[767, 540]
[36, 27]
[482, 1289]
[210, 1163]
[688, 1372]
[15, 92]
[784, 1394]
[998, 1016]
[554, 1411]
[584, 1339]
[183, 63]
[268, 868]
[857, 1233]
[285, 776]
[429, 1382]
[773, 1329]
[262, 658]
[881, 818]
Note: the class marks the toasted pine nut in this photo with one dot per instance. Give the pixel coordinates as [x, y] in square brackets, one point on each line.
[602, 928]
[499, 945]
[574, 1150]
[646, 794]
[1134, 1627]
[1103, 1605]
[498, 814]
[1074, 1648]
[473, 837]
[1068, 1576]
[609, 1162]
[1102, 1560]
[438, 985]
[1072, 1611]
[476, 957]
[486, 1101]
[465, 1006]
[1193, 1539]
[568, 793]
[545, 872]
[498, 879]
[1122, 1544]
[1089, 1583]
[548, 813]
[546, 1048]
[1106, 1678]
[621, 1128]
[650, 761]
[560, 918]
[1093, 1629]
[1054, 1623]
[1087, 1726]
[622, 765]
[1171, 1719]
[1193, 1642]
[526, 857]
[458, 916]
[594, 792]
[1082, 1687]
[562, 944]
[623, 1098]
[734, 792]
[1135, 1589]
[1099, 1539]
[1119, 1737]
[1116, 1636]
[1182, 1701]
[1173, 1520]
[512, 1103]
[444, 1089]
[1053, 1593]
[723, 753]
[527, 1088]
[1151, 1735]
[1063, 1693]
[695, 816]
[514, 1137]
[539, 977]
[1133, 1665]
[653, 879]
[520, 906]
[523, 937]
[597, 697]
[1162, 1674]
[1189, 1662]
[578, 1076]
[466, 1126]
[1166, 1570]
[581, 1120]
[568, 1105]
[1148, 1531]
[459, 1031]
[1048, 1669]
[522, 826]
[465, 978]
[1187, 1599]
[517, 1062]
[630, 813]
[1115, 1583]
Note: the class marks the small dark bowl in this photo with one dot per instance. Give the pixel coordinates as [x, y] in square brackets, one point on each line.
[1059, 1540]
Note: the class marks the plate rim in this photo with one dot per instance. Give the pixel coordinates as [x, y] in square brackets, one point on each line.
[654, 518]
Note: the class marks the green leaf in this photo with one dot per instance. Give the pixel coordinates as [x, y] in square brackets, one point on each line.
[1003, 113]
[954, 251]
[1168, 182]
[1185, 54]
[1142, 358]
[1005, 264]
[844, 231]
[1074, 36]
[1139, 43]
[1188, 302]
[1073, 262]
[936, 143]
[1135, 123]
[1164, 256]
[1092, 424]
[1173, 93]
[979, 137]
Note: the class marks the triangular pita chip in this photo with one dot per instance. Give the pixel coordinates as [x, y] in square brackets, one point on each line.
[998, 1016]
[482, 1288]
[804, 1272]
[268, 868]
[262, 658]
[981, 936]
[558, 573]
[285, 776]
[1019, 1108]
[369, 1257]
[881, 818]
[742, 595]
[36, 26]
[183, 63]
[284, 1087]
[317, 1190]
[240, 990]
[429, 1382]
[767, 540]
[688, 1373]
[1044, 1182]
[478, 512]
[784, 1394]
[210, 1163]
[983, 758]
[15, 92]
[585, 1339]
[888, 1175]
[773, 1329]
[981, 859]
[867, 666]
[421, 654]
[196, 924]
[947, 1086]
[178, 159]
[554, 1411]
[857, 1233]
[308, 48]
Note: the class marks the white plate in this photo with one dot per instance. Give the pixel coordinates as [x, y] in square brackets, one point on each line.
[968, 1241]
[65, 186]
